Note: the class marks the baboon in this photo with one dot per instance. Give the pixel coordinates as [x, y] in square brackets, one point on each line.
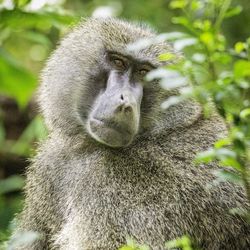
[114, 164]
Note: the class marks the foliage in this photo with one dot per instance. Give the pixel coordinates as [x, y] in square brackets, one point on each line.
[212, 71]
[27, 34]
[183, 243]
[133, 245]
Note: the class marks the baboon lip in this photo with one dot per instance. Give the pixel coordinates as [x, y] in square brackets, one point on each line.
[120, 128]
[108, 135]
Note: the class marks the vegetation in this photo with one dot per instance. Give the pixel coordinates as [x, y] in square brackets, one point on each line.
[213, 35]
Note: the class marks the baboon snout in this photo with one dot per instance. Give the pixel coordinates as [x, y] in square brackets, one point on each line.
[125, 105]
[115, 121]
[114, 118]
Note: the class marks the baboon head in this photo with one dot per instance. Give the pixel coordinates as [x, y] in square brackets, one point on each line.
[94, 84]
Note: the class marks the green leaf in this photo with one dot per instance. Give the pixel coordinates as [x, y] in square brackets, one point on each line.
[41, 20]
[35, 131]
[21, 3]
[181, 20]
[231, 162]
[156, 74]
[173, 82]
[239, 47]
[13, 183]
[185, 42]
[23, 238]
[15, 81]
[178, 4]
[126, 248]
[205, 156]
[196, 5]
[242, 68]
[166, 57]
[198, 57]
[207, 38]
[222, 142]
[223, 153]
[245, 113]
[175, 35]
[233, 11]
[184, 242]
[133, 245]
[172, 100]
[36, 37]
[225, 175]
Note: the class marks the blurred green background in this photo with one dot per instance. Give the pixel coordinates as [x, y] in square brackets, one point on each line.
[29, 31]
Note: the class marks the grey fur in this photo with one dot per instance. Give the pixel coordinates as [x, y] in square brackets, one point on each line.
[83, 195]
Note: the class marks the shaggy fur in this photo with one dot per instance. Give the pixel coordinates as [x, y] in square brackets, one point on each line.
[81, 195]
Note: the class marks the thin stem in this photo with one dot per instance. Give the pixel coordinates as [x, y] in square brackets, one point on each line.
[226, 4]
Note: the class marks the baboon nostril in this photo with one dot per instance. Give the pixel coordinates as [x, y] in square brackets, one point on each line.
[127, 109]
[120, 108]
[123, 108]
[122, 97]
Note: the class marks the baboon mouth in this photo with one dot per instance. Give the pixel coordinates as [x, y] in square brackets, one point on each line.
[119, 127]
[109, 133]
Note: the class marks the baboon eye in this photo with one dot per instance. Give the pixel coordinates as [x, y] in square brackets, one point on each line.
[143, 72]
[119, 63]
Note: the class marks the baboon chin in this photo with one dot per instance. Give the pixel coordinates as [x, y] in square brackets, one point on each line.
[142, 183]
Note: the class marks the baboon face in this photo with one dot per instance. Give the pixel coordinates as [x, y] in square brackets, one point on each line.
[114, 118]
[94, 83]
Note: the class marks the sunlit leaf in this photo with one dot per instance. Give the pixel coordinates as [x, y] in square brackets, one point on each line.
[239, 47]
[133, 245]
[126, 248]
[21, 3]
[221, 153]
[178, 4]
[166, 57]
[24, 238]
[222, 142]
[196, 5]
[184, 243]
[111, 10]
[207, 38]
[175, 35]
[245, 113]
[242, 68]
[205, 156]
[231, 162]
[175, 81]
[198, 57]
[157, 74]
[172, 100]
[182, 43]
[146, 42]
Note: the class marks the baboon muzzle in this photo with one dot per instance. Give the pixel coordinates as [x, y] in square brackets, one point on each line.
[115, 118]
